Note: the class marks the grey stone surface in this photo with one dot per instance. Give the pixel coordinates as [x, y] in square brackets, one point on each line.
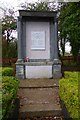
[38, 71]
[39, 97]
[23, 39]
[20, 71]
[19, 27]
[38, 63]
[36, 16]
[41, 14]
[37, 53]
[57, 68]
[52, 37]
[39, 83]
[55, 38]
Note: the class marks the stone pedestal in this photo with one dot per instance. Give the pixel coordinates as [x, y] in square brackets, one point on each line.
[20, 70]
[34, 70]
[38, 69]
[57, 68]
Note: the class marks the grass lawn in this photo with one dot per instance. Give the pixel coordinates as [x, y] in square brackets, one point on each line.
[69, 93]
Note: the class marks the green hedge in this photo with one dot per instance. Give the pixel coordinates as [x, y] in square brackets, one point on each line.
[6, 71]
[69, 93]
[9, 92]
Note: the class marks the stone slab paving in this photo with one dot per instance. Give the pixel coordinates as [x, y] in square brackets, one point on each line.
[39, 98]
[39, 83]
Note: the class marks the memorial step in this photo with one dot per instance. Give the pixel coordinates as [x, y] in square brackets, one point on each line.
[36, 83]
[39, 97]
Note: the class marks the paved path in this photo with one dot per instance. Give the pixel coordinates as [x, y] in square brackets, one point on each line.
[39, 97]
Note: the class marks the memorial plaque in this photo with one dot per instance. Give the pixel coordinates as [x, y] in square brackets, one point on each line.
[38, 40]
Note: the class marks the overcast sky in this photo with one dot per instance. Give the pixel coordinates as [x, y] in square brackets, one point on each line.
[15, 4]
[12, 4]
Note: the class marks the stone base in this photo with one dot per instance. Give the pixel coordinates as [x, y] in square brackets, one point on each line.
[38, 70]
[20, 71]
[57, 69]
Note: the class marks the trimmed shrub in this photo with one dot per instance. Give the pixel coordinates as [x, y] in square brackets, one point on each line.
[9, 93]
[0, 71]
[69, 93]
[6, 71]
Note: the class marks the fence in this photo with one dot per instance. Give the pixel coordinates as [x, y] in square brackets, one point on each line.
[68, 62]
[8, 61]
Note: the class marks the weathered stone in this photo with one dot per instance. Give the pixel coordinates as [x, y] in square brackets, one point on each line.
[38, 100]
[38, 45]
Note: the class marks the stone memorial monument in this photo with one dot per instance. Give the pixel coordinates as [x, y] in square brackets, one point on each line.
[37, 45]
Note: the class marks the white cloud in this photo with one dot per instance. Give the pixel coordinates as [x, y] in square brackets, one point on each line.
[13, 5]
